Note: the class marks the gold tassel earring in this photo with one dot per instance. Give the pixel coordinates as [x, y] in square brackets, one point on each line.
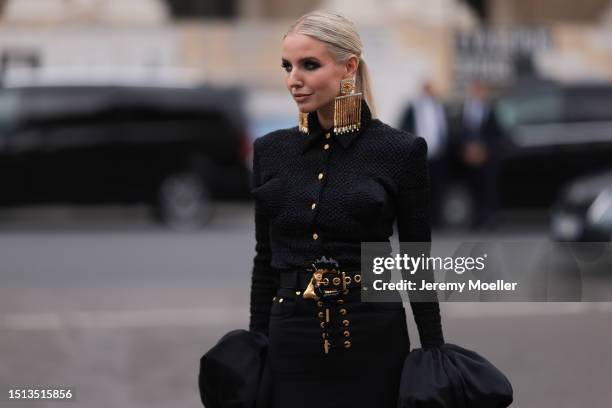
[347, 108]
[303, 122]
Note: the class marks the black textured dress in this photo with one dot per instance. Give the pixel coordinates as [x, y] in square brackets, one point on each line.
[322, 194]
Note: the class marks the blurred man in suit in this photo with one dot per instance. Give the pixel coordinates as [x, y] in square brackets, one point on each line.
[426, 118]
[479, 151]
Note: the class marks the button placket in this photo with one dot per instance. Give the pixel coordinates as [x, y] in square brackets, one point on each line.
[321, 178]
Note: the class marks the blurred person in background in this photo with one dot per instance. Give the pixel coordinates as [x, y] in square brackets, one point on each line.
[426, 118]
[340, 178]
[479, 152]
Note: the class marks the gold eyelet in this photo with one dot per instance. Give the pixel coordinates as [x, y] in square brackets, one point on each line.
[357, 278]
[336, 281]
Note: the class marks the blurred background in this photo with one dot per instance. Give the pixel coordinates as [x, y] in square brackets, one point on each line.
[126, 130]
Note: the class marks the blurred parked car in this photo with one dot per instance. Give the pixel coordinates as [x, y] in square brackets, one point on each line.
[174, 147]
[548, 134]
[583, 211]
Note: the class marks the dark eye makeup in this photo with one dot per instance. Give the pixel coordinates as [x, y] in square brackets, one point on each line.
[308, 64]
[311, 65]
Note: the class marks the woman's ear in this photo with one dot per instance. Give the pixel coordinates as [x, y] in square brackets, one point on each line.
[351, 66]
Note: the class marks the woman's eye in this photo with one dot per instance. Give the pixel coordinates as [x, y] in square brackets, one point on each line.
[286, 67]
[309, 65]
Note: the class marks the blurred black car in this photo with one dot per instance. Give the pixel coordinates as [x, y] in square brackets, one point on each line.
[547, 135]
[583, 211]
[174, 147]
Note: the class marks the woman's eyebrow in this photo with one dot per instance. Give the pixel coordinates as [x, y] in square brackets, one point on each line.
[303, 59]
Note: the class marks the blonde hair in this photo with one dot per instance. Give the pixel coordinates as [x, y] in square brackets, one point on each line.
[342, 40]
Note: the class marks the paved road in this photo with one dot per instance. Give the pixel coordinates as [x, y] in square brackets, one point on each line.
[121, 309]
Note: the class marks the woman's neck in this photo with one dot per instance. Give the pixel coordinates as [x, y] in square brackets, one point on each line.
[325, 115]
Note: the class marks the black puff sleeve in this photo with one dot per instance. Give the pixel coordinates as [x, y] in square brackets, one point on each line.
[265, 279]
[413, 225]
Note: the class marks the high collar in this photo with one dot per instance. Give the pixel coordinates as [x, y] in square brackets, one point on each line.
[316, 132]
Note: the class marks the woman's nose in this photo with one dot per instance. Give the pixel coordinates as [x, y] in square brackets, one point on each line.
[295, 79]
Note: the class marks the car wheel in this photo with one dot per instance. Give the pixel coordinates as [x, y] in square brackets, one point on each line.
[183, 201]
[457, 207]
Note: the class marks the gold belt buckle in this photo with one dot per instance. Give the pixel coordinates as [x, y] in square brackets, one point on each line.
[323, 284]
[326, 284]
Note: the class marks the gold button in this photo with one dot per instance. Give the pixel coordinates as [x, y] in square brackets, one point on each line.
[346, 333]
[280, 300]
[346, 322]
[326, 146]
[320, 176]
[320, 304]
[322, 324]
[343, 311]
[315, 236]
[297, 292]
[320, 314]
[313, 206]
[347, 344]
[340, 301]
[327, 135]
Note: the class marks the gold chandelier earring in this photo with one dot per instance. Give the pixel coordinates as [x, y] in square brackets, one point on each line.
[347, 108]
[303, 122]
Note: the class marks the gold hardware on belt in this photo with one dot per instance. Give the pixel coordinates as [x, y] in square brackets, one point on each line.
[326, 286]
[326, 345]
[328, 283]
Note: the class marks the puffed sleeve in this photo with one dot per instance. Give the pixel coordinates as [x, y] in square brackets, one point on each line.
[413, 225]
[264, 279]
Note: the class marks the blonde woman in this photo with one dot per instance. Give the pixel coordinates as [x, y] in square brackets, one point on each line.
[339, 178]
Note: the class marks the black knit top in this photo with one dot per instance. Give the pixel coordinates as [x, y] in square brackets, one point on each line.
[323, 194]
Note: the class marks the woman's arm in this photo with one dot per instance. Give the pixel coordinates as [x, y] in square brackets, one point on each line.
[264, 280]
[413, 225]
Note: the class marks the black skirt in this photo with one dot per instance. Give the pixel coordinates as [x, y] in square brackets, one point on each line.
[368, 343]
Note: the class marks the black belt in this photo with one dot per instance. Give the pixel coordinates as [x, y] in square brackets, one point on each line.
[298, 280]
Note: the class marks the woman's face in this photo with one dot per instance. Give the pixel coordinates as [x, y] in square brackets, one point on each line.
[312, 76]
